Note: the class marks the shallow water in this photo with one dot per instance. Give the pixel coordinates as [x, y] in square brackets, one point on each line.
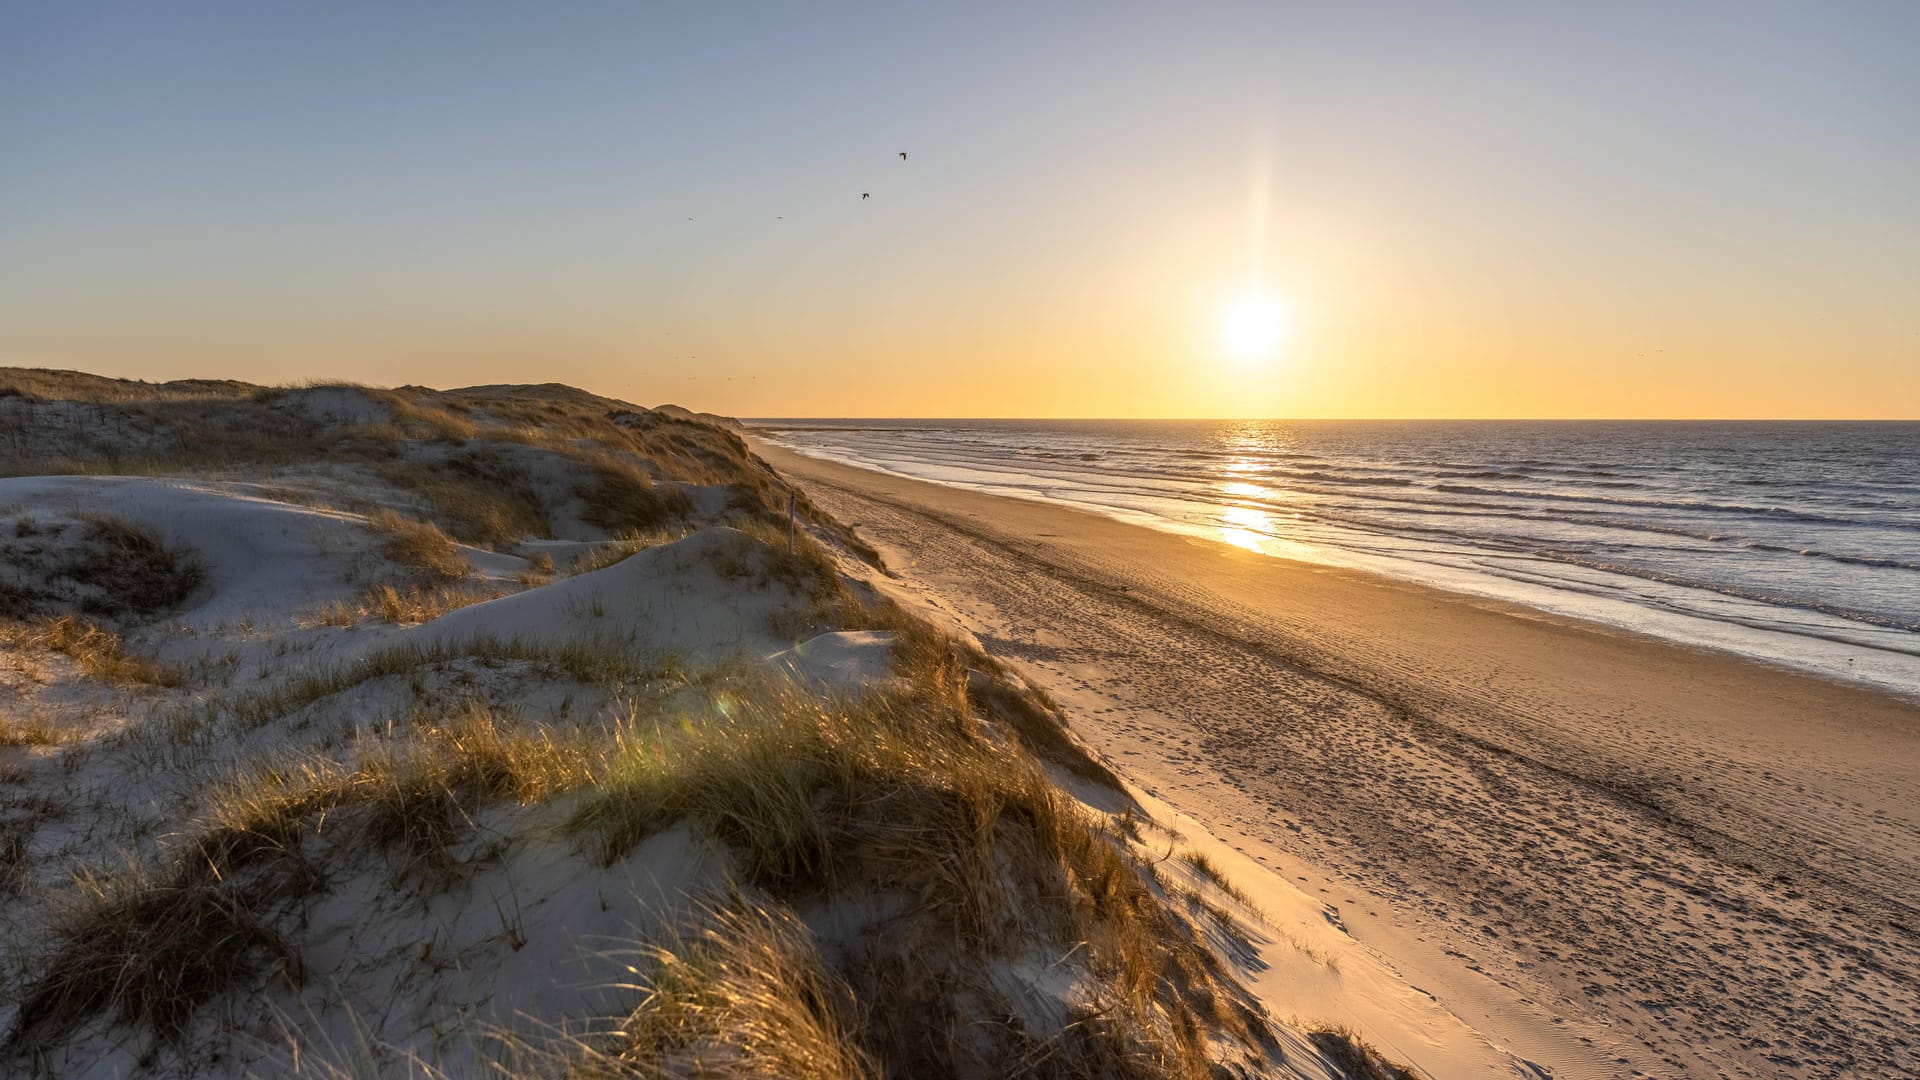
[1793, 542]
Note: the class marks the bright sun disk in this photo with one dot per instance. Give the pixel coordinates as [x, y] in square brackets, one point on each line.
[1254, 327]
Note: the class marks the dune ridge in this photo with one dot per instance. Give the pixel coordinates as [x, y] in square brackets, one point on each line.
[351, 731]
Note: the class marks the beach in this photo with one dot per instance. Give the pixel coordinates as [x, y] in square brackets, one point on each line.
[1610, 854]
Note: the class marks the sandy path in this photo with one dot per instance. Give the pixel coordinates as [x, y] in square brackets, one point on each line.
[1616, 856]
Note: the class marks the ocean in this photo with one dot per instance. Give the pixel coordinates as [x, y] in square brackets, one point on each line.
[1796, 543]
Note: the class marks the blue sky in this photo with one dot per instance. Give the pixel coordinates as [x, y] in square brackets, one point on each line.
[463, 193]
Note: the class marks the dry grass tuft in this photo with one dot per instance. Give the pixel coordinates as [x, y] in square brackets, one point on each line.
[742, 992]
[408, 605]
[412, 797]
[477, 495]
[619, 495]
[99, 652]
[899, 796]
[1042, 732]
[768, 556]
[631, 543]
[417, 604]
[608, 663]
[150, 946]
[29, 730]
[95, 565]
[134, 570]
[421, 548]
[1203, 864]
[1355, 1057]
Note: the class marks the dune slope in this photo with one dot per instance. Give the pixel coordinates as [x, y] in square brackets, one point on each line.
[402, 731]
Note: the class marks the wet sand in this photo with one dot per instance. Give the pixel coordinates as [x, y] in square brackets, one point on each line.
[1611, 854]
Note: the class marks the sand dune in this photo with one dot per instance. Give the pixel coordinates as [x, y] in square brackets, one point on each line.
[408, 732]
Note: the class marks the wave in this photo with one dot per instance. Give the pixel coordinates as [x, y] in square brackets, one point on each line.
[1780, 512]
[1639, 521]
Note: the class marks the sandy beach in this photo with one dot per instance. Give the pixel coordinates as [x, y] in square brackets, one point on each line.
[1610, 854]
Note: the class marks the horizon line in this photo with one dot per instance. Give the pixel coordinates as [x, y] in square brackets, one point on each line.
[1378, 419]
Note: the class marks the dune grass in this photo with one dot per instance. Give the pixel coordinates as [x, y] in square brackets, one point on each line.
[150, 945]
[630, 543]
[133, 569]
[901, 796]
[817, 802]
[29, 730]
[457, 452]
[740, 991]
[420, 548]
[1355, 1057]
[588, 662]
[620, 496]
[477, 494]
[94, 565]
[409, 605]
[923, 817]
[100, 653]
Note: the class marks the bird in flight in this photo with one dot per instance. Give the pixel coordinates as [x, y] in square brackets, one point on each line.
[865, 194]
[903, 155]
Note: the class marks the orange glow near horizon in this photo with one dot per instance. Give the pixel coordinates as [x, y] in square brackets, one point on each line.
[1255, 213]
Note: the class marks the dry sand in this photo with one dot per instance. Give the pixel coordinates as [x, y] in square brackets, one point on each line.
[1612, 855]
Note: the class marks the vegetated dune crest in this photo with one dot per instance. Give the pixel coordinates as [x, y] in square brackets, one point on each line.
[348, 729]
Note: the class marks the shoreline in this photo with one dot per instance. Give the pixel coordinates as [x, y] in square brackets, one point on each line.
[1466, 779]
[1819, 655]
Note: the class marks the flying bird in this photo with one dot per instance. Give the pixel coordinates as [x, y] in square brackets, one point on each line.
[903, 155]
[865, 194]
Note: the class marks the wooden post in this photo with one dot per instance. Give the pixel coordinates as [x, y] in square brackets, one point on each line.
[792, 497]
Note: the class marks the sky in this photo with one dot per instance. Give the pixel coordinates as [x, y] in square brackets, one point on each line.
[1447, 210]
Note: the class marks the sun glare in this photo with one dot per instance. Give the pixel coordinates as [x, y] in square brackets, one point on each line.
[1254, 327]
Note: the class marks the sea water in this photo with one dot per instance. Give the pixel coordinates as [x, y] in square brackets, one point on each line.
[1792, 542]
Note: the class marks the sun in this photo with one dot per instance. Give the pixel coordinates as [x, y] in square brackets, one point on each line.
[1254, 326]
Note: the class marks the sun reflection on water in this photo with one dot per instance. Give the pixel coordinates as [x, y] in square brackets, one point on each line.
[1245, 526]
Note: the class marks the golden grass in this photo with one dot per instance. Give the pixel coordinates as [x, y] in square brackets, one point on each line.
[930, 805]
[1204, 865]
[29, 730]
[417, 604]
[767, 556]
[621, 496]
[606, 663]
[631, 543]
[412, 796]
[899, 796]
[421, 548]
[99, 652]
[741, 992]
[1355, 1057]
[1041, 730]
[477, 495]
[149, 946]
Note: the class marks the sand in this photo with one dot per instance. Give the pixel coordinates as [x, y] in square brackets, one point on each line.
[1609, 854]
